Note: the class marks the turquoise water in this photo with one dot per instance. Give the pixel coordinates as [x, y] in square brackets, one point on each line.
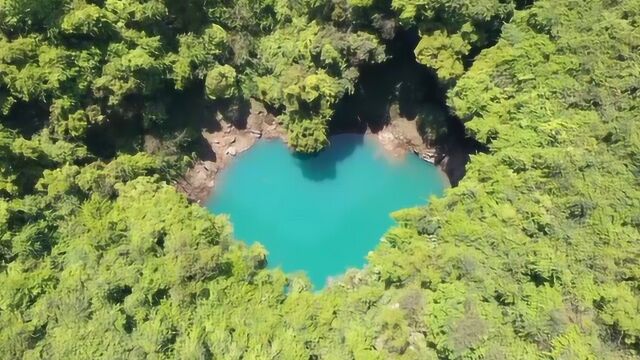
[320, 214]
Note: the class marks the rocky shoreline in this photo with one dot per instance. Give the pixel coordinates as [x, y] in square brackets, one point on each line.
[226, 144]
[398, 138]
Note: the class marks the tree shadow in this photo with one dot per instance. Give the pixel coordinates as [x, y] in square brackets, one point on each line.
[402, 87]
[27, 118]
[203, 149]
[122, 133]
[322, 166]
[400, 81]
[235, 110]
[192, 110]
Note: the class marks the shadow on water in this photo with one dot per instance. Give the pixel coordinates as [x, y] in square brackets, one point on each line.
[323, 165]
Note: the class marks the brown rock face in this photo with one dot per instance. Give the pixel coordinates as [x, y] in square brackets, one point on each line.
[454, 166]
[397, 138]
[227, 143]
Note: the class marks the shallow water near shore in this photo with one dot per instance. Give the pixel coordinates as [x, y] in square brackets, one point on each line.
[320, 214]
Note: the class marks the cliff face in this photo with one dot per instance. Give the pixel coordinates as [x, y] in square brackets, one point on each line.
[455, 150]
[454, 165]
[451, 154]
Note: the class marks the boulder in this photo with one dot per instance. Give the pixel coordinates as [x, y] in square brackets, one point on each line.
[256, 133]
[232, 151]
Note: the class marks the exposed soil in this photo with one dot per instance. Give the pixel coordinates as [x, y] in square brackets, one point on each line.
[226, 144]
[400, 136]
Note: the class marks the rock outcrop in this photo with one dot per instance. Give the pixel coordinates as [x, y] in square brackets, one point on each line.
[227, 143]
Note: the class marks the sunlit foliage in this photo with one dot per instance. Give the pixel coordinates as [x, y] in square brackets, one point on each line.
[535, 254]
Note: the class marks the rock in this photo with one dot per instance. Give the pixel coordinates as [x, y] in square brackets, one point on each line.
[254, 121]
[270, 120]
[233, 140]
[416, 337]
[152, 144]
[209, 165]
[232, 151]
[257, 107]
[256, 133]
[428, 158]
[387, 137]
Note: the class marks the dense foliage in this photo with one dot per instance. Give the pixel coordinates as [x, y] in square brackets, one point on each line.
[535, 254]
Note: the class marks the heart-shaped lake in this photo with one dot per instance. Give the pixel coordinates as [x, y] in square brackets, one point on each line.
[320, 214]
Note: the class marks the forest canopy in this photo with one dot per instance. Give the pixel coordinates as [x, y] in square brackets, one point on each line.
[535, 255]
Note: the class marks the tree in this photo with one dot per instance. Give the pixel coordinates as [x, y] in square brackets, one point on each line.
[533, 255]
[221, 82]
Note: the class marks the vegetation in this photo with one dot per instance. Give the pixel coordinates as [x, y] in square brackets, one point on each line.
[535, 254]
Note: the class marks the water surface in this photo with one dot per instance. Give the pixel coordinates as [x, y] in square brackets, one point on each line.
[320, 214]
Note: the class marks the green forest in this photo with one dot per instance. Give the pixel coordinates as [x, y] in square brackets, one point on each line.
[534, 255]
